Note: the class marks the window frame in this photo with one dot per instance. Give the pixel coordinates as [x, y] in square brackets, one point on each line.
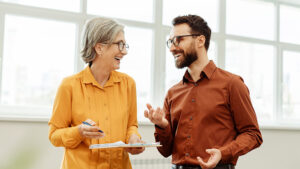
[158, 61]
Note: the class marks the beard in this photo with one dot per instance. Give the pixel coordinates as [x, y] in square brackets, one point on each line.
[188, 58]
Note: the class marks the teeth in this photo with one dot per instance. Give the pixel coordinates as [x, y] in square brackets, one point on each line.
[117, 58]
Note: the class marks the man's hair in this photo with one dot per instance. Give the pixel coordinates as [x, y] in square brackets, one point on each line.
[197, 24]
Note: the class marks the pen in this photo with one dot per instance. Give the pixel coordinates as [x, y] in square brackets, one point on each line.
[86, 123]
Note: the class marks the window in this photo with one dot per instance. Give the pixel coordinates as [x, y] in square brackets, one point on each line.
[256, 39]
[67, 5]
[208, 9]
[251, 18]
[289, 24]
[137, 64]
[132, 10]
[291, 83]
[38, 53]
[254, 63]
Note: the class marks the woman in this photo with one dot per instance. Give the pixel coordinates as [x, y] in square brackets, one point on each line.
[102, 98]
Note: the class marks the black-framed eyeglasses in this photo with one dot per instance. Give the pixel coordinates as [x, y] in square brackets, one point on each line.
[176, 40]
[121, 45]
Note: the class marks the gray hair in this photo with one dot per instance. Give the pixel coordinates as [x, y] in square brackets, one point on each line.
[98, 30]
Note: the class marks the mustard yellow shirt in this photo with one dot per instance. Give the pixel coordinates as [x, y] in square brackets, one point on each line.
[112, 107]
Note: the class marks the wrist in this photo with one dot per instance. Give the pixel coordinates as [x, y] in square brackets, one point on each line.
[162, 125]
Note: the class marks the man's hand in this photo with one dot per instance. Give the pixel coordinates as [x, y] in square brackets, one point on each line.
[215, 157]
[90, 131]
[136, 150]
[156, 116]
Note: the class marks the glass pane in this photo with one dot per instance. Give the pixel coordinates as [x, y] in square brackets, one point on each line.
[254, 63]
[207, 9]
[37, 55]
[173, 74]
[132, 10]
[289, 24]
[251, 18]
[137, 64]
[291, 83]
[66, 5]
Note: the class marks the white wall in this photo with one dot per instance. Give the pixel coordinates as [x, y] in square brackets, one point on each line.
[25, 145]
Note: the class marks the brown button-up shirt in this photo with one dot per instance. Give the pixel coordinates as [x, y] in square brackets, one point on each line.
[214, 112]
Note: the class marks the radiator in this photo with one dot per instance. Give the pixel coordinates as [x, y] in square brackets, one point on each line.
[160, 163]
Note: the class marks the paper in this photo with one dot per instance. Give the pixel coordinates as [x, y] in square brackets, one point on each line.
[122, 144]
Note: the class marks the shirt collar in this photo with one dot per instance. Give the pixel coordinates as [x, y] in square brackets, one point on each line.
[207, 72]
[88, 77]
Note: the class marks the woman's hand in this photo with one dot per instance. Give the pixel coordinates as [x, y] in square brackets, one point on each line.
[90, 131]
[136, 150]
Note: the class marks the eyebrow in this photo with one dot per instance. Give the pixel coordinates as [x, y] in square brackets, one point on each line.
[120, 41]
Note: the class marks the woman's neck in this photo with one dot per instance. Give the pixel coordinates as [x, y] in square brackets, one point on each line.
[100, 73]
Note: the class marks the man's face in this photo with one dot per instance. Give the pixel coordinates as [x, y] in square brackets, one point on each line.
[184, 51]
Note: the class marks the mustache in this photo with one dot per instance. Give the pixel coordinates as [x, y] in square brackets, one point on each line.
[177, 51]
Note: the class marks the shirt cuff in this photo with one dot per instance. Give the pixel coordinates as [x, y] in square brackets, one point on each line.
[76, 133]
[226, 154]
[162, 131]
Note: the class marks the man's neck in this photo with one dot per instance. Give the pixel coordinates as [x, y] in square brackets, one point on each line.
[197, 67]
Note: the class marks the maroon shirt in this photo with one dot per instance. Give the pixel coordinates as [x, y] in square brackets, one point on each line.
[214, 112]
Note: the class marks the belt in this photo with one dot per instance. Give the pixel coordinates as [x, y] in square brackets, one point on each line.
[219, 166]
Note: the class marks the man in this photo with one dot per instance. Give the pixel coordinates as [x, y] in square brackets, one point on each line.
[208, 120]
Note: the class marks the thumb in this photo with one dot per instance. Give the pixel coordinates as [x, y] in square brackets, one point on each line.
[200, 160]
[210, 151]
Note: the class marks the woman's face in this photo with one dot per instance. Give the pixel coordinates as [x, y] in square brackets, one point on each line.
[112, 55]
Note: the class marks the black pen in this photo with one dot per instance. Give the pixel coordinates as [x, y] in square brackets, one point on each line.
[86, 123]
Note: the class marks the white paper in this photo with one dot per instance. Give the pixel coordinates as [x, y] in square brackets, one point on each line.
[122, 144]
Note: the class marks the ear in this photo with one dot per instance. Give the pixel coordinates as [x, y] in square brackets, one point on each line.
[98, 48]
[201, 41]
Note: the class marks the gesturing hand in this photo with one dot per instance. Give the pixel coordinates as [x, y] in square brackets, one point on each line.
[90, 131]
[156, 116]
[215, 157]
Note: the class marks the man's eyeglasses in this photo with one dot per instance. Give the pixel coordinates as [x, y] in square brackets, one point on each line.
[176, 40]
[121, 45]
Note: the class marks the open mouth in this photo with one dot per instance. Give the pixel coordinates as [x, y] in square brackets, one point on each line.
[118, 59]
[176, 56]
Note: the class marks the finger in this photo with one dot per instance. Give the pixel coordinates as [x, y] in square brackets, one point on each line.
[201, 162]
[210, 151]
[91, 122]
[146, 113]
[92, 128]
[92, 134]
[149, 106]
[135, 150]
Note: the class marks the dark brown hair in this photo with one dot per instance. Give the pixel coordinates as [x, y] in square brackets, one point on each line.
[197, 24]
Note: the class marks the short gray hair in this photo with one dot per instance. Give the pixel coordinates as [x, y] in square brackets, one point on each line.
[98, 30]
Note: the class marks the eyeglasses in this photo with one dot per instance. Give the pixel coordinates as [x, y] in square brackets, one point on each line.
[176, 40]
[121, 45]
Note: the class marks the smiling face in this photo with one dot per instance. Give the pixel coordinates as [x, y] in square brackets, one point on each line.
[111, 55]
[185, 53]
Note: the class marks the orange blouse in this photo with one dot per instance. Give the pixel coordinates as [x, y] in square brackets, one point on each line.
[113, 108]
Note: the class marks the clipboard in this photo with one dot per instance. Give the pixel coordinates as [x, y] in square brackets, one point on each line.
[121, 144]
